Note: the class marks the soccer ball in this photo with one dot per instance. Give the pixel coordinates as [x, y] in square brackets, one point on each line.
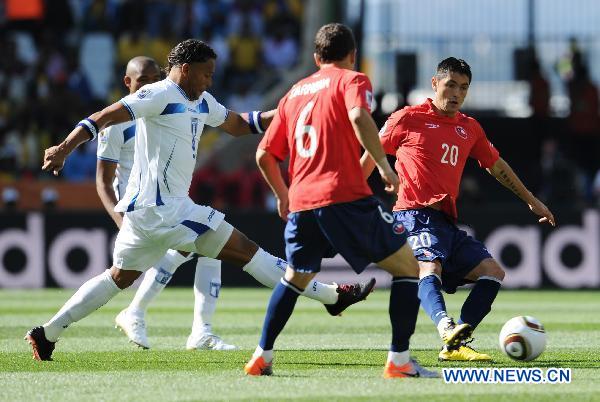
[522, 338]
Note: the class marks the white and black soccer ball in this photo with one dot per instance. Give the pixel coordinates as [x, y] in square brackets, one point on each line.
[523, 338]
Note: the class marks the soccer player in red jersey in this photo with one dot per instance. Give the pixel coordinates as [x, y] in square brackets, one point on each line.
[321, 124]
[432, 142]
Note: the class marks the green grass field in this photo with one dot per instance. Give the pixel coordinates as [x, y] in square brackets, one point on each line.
[319, 358]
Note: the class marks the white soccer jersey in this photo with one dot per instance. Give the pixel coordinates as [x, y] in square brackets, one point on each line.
[168, 129]
[116, 144]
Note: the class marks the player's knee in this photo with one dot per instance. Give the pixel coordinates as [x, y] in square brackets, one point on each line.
[238, 250]
[492, 268]
[401, 263]
[122, 278]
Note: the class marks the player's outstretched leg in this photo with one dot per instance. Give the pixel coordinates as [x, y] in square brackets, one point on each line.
[268, 269]
[207, 285]
[403, 310]
[92, 295]
[131, 320]
[488, 277]
[432, 300]
[280, 308]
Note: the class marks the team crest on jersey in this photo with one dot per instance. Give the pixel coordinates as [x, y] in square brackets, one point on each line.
[102, 137]
[143, 93]
[462, 133]
[398, 228]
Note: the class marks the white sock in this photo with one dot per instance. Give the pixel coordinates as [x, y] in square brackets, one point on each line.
[155, 280]
[323, 292]
[399, 358]
[443, 324]
[92, 295]
[266, 354]
[207, 285]
[268, 270]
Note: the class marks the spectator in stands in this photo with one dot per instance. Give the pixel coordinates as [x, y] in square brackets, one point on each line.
[539, 102]
[280, 50]
[245, 50]
[584, 126]
[80, 166]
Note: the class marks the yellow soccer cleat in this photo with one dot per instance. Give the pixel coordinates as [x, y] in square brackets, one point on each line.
[454, 334]
[463, 353]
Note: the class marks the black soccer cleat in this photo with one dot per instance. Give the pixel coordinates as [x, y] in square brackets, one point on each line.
[350, 294]
[42, 347]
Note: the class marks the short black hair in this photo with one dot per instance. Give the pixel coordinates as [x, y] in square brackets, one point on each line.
[453, 65]
[190, 51]
[333, 42]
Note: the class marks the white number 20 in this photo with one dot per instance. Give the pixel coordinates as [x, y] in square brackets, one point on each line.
[302, 129]
[422, 240]
[450, 154]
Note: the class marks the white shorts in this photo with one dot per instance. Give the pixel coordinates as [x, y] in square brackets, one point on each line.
[148, 233]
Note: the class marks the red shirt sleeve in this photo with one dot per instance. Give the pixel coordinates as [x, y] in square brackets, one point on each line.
[275, 138]
[392, 133]
[358, 92]
[484, 151]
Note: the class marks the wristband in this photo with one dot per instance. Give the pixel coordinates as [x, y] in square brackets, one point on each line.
[90, 126]
[254, 122]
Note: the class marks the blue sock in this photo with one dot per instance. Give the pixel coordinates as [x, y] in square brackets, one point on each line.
[281, 305]
[404, 308]
[479, 302]
[430, 293]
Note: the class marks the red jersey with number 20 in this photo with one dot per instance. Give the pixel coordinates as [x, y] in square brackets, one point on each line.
[312, 127]
[431, 153]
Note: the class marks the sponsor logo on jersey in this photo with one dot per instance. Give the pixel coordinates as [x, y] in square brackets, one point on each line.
[369, 99]
[462, 133]
[398, 228]
[143, 93]
[432, 125]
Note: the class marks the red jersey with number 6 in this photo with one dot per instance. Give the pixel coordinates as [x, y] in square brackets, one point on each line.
[431, 152]
[312, 127]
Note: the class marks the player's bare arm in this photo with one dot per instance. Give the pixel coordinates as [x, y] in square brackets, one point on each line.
[367, 134]
[105, 175]
[269, 166]
[54, 157]
[367, 164]
[509, 179]
[238, 124]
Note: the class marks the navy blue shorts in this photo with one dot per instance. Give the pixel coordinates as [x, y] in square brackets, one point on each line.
[361, 231]
[433, 236]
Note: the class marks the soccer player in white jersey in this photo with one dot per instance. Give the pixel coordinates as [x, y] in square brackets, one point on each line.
[159, 215]
[115, 160]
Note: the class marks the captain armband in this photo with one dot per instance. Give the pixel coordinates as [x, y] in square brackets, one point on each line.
[90, 126]
[254, 122]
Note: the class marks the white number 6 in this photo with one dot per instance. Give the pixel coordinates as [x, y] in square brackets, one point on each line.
[302, 129]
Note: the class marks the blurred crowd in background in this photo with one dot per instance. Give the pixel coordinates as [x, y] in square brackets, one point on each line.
[64, 59]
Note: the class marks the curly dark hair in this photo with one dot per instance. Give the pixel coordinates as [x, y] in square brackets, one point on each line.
[453, 65]
[333, 42]
[190, 51]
